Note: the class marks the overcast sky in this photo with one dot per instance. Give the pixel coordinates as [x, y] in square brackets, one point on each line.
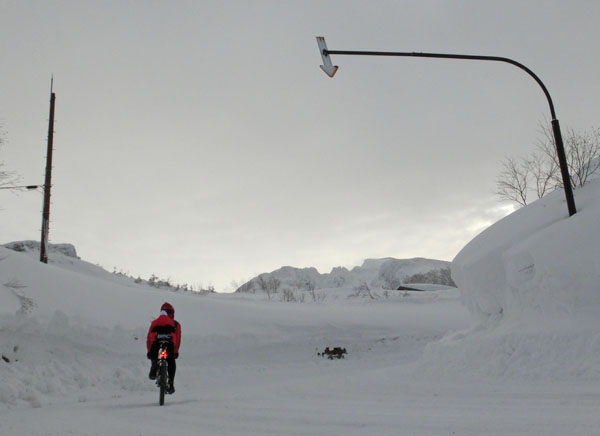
[201, 142]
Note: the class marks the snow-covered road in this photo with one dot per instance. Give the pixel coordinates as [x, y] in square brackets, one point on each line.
[262, 376]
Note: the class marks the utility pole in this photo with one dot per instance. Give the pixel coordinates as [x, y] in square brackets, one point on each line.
[48, 180]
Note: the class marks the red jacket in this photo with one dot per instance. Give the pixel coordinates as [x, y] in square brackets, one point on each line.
[164, 325]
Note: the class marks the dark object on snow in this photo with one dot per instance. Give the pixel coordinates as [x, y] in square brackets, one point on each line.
[335, 353]
[6, 359]
[406, 288]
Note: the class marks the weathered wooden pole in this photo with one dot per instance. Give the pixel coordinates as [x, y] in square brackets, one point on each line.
[48, 181]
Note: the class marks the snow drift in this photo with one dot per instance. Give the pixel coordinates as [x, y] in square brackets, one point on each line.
[535, 262]
[531, 283]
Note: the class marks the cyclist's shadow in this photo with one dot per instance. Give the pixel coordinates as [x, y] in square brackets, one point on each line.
[152, 404]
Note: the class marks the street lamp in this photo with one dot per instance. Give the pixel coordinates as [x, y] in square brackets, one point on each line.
[28, 187]
[330, 70]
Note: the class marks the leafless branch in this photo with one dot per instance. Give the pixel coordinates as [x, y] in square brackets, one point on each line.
[541, 174]
[512, 181]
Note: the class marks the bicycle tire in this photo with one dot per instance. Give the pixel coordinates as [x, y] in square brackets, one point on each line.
[162, 383]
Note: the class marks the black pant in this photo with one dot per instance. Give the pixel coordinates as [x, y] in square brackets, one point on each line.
[170, 358]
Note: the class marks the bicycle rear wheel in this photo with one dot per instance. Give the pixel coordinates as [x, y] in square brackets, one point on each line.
[162, 383]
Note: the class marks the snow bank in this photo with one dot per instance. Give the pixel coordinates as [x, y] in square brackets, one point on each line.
[535, 262]
[531, 283]
[43, 359]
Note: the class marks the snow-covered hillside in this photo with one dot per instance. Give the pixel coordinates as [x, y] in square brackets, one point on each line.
[380, 274]
[515, 350]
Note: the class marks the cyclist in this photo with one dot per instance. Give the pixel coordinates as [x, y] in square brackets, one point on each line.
[164, 328]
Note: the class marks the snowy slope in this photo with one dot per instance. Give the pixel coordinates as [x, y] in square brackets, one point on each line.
[62, 314]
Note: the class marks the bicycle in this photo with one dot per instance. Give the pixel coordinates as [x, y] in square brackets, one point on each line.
[162, 371]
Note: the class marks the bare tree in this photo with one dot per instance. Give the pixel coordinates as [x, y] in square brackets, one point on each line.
[268, 284]
[540, 174]
[545, 173]
[364, 289]
[584, 149]
[512, 183]
[311, 286]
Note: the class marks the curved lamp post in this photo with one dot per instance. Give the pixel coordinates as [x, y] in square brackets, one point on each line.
[28, 187]
[330, 70]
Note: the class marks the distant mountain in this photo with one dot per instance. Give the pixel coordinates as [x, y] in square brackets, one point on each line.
[386, 273]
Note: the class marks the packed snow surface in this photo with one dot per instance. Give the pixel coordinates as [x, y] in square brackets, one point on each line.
[514, 351]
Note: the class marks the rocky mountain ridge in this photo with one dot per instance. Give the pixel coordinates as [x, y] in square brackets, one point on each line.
[386, 273]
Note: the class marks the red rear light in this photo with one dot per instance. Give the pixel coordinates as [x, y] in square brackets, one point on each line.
[163, 354]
